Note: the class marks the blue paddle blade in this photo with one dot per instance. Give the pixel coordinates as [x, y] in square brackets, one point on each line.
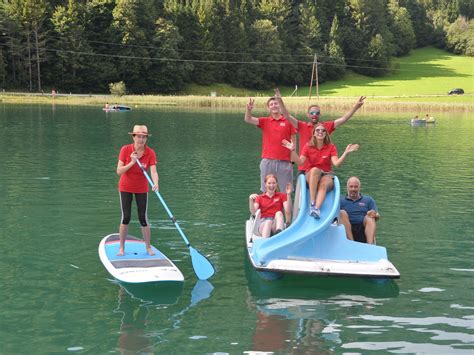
[202, 267]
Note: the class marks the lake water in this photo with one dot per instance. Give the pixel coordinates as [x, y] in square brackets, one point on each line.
[58, 191]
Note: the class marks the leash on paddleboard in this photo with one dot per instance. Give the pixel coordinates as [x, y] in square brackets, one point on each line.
[201, 265]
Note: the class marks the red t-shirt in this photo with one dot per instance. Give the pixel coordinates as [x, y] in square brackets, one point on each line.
[305, 131]
[269, 206]
[273, 132]
[133, 180]
[319, 158]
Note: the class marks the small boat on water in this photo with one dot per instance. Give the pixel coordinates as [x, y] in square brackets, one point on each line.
[117, 108]
[422, 121]
[316, 247]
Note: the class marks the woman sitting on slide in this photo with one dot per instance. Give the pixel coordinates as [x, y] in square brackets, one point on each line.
[271, 203]
[320, 153]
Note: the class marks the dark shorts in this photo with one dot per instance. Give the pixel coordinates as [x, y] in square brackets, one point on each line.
[358, 231]
[126, 206]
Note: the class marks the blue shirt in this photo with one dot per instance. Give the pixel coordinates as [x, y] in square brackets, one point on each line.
[357, 209]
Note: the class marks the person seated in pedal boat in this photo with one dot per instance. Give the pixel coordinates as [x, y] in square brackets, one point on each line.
[320, 154]
[272, 205]
[358, 213]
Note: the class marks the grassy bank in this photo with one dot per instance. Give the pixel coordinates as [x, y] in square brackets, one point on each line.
[419, 84]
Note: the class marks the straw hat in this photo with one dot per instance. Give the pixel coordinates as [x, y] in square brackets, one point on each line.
[137, 129]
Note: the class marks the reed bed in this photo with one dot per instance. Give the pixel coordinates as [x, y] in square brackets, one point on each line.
[294, 104]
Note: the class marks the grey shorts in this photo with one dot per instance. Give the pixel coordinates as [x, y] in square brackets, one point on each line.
[282, 169]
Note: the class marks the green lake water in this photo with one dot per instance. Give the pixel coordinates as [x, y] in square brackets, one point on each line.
[58, 191]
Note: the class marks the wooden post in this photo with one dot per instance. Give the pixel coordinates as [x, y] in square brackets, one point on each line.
[317, 79]
[311, 82]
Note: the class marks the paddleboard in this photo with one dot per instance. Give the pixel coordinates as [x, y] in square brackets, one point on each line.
[136, 266]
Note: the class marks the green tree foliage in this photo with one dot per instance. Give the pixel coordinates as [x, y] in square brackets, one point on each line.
[69, 24]
[401, 28]
[3, 68]
[212, 15]
[162, 45]
[335, 63]
[29, 17]
[101, 61]
[310, 40]
[466, 8]
[422, 26]
[285, 21]
[118, 89]
[267, 50]
[377, 56]
[460, 36]
[167, 73]
[184, 16]
[375, 42]
[134, 62]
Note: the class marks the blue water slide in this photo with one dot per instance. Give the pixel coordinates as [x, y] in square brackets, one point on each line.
[310, 238]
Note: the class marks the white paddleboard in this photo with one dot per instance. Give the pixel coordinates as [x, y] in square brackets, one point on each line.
[136, 266]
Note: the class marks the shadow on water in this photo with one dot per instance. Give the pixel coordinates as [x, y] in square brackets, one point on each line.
[159, 293]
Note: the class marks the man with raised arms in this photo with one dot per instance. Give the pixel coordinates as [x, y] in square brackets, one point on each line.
[275, 157]
[305, 128]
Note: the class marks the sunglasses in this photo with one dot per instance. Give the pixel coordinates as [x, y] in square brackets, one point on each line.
[314, 113]
[140, 136]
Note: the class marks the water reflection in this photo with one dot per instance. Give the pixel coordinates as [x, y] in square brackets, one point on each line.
[136, 303]
[133, 325]
[299, 314]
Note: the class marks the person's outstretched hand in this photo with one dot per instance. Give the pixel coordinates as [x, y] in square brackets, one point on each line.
[351, 148]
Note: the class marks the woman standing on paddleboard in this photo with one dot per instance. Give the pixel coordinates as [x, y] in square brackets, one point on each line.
[133, 182]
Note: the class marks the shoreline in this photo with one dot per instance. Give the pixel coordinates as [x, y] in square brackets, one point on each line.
[464, 103]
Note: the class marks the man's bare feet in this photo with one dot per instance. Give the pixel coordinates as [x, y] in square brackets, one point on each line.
[150, 251]
[121, 252]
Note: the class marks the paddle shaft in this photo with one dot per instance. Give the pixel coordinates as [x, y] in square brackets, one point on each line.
[202, 267]
[170, 215]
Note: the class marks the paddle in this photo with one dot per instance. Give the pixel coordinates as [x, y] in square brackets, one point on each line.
[202, 267]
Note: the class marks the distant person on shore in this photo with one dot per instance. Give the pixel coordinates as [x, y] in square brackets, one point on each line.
[313, 113]
[272, 204]
[134, 183]
[275, 128]
[358, 213]
[321, 155]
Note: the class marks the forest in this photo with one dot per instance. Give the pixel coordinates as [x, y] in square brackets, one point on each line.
[160, 46]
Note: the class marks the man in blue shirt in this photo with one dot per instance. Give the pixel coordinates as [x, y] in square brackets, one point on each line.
[358, 213]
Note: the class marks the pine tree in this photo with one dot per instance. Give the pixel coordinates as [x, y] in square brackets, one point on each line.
[69, 24]
[135, 60]
[401, 28]
[372, 57]
[336, 65]
[167, 73]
